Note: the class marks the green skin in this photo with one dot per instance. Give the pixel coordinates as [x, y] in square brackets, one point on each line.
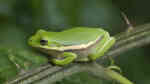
[79, 44]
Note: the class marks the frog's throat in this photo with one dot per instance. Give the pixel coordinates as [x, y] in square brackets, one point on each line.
[74, 47]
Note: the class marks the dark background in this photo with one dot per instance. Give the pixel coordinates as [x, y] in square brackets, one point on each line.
[19, 19]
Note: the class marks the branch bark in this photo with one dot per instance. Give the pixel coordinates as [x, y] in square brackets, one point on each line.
[48, 74]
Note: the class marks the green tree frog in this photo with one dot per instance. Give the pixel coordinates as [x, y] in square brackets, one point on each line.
[79, 44]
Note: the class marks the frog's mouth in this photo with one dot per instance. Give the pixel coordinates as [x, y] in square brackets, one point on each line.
[51, 52]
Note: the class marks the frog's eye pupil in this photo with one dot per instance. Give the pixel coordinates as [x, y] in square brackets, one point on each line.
[43, 42]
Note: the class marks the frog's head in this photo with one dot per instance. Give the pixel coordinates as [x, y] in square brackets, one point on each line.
[43, 39]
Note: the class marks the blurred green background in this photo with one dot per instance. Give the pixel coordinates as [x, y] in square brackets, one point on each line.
[19, 19]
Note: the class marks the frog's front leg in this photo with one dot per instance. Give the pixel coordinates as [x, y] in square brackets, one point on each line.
[106, 45]
[68, 57]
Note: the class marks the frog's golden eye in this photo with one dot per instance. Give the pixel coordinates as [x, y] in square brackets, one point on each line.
[43, 42]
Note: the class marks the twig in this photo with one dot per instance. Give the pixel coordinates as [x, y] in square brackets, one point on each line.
[106, 73]
[140, 36]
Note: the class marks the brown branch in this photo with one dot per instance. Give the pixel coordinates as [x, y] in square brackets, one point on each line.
[47, 74]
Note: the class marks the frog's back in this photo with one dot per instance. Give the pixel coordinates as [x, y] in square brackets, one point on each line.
[78, 35]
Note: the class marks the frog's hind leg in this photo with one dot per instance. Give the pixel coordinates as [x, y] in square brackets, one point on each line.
[68, 57]
[100, 52]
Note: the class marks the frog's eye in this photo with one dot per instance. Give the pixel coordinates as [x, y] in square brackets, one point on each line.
[43, 42]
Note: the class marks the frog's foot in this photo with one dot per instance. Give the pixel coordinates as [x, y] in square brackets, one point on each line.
[68, 57]
[101, 51]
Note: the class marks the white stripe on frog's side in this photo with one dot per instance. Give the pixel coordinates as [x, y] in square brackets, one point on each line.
[77, 47]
